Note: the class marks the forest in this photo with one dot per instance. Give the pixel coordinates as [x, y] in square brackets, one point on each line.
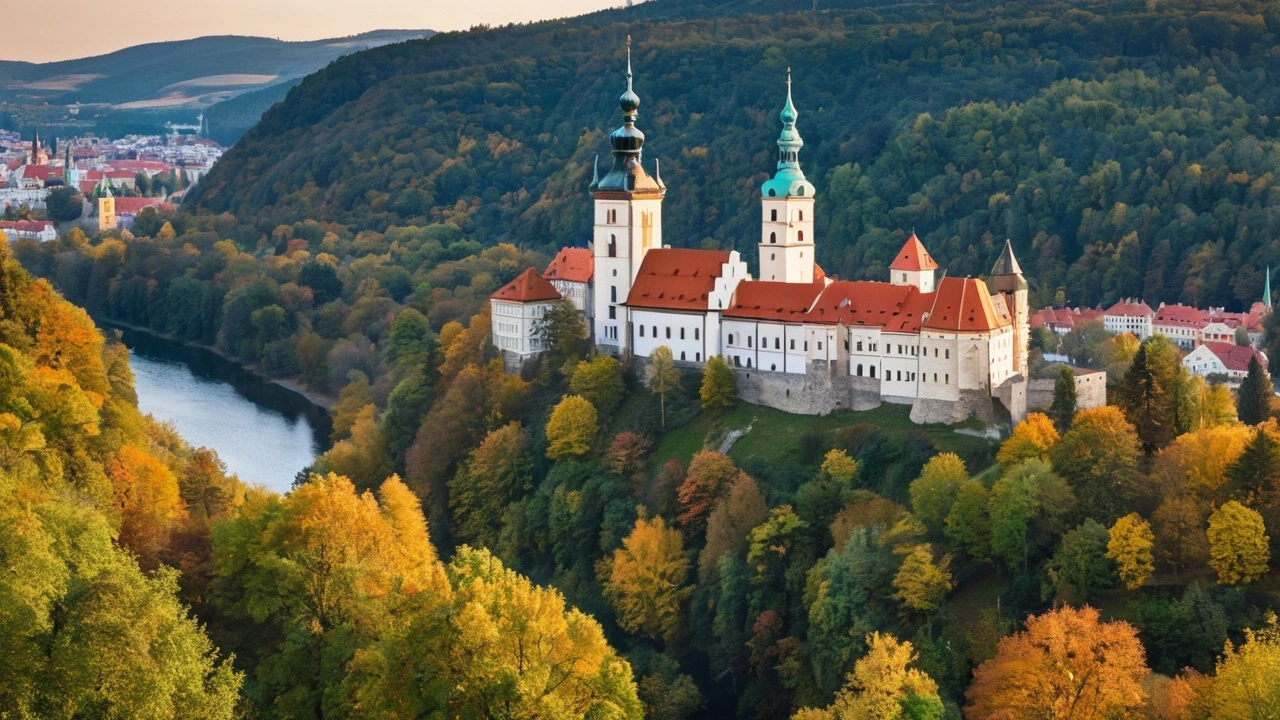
[1127, 148]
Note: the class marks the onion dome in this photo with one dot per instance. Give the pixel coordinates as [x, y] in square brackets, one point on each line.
[627, 173]
[789, 180]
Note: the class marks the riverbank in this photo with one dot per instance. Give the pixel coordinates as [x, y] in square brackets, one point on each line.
[320, 400]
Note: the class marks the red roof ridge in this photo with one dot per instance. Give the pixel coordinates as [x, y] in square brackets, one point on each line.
[528, 286]
[572, 265]
[913, 256]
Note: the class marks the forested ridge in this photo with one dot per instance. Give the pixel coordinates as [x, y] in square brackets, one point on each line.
[1127, 149]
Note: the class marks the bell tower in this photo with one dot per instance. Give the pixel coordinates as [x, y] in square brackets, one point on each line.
[627, 223]
[786, 201]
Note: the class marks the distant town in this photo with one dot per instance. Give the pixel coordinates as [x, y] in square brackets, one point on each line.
[47, 183]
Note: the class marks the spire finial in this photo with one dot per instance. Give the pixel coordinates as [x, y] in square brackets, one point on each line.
[628, 62]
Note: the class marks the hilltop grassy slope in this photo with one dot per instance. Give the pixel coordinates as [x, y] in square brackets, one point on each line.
[1123, 149]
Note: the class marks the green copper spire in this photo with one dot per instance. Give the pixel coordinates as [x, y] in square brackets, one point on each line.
[1266, 290]
[789, 180]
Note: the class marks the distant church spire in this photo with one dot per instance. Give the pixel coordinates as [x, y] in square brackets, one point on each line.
[1266, 290]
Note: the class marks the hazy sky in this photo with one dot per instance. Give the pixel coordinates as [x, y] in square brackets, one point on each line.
[109, 25]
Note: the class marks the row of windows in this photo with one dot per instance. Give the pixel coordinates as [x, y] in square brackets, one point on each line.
[697, 332]
[899, 375]
[911, 350]
[777, 343]
[773, 238]
[773, 215]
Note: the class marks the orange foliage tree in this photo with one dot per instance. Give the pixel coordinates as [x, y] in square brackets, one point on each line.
[146, 495]
[1066, 665]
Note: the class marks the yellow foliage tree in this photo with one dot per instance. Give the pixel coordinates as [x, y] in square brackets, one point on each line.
[1247, 684]
[645, 579]
[571, 429]
[881, 683]
[921, 584]
[1198, 460]
[935, 490]
[838, 466]
[1238, 548]
[146, 495]
[1130, 545]
[1030, 438]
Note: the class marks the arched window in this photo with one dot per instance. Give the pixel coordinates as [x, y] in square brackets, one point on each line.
[730, 338]
[773, 237]
[773, 367]
[748, 362]
[613, 246]
[772, 193]
[777, 343]
[800, 236]
[697, 357]
[800, 192]
[682, 355]
[801, 218]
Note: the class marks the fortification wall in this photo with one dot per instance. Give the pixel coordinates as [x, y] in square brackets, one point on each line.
[821, 390]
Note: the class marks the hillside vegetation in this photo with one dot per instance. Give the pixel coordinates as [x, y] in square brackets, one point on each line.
[1126, 148]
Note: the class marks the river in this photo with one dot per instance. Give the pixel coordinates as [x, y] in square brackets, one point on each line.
[263, 432]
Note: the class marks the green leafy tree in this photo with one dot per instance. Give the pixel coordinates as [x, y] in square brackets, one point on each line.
[933, 493]
[719, 388]
[969, 522]
[663, 377]
[1028, 507]
[1081, 565]
[64, 205]
[1150, 393]
[1063, 408]
[562, 333]
[600, 381]
[495, 474]
[572, 428]
[1099, 459]
[1238, 549]
[1253, 399]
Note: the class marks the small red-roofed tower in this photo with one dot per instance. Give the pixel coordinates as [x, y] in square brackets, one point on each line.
[913, 266]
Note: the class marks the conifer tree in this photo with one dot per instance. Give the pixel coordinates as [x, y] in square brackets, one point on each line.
[1150, 391]
[1063, 408]
[1256, 473]
[1253, 404]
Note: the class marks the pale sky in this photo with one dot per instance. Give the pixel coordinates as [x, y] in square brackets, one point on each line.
[108, 25]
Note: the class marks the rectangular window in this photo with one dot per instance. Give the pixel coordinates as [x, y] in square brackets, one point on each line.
[613, 312]
[641, 331]
[613, 293]
[697, 333]
[819, 345]
[793, 344]
[681, 333]
[668, 333]
[859, 346]
[948, 354]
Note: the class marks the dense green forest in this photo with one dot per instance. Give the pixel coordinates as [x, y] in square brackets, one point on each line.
[1128, 149]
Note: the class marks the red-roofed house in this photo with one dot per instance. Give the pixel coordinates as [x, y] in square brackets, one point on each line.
[677, 299]
[41, 230]
[516, 308]
[570, 272]
[1223, 358]
[1063, 320]
[1129, 316]
[765, 326]
[1180, 323]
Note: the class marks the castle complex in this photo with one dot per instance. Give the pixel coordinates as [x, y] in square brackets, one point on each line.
[952, 348]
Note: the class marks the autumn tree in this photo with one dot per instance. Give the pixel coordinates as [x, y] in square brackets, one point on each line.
[1099, 459]
[626, 453]
[922, 582]
[1209, 405]
[146, 496]
[663, 377]
[571, 429]
[1254, 472]
[645, 579]
[1066, 665]
[719, 388]
[1198, 462]
[1179, 527]
[1063, 408]
[935, 490]
[1030, 438]
[362, 457]
[1129, 546]
[600, 381]
[838, 467]
[709, 474]
[734, 515]
[968, 525]
[1253, 399]
[1238, 549]
[1247, 682]
[883, 686]
[494, 475]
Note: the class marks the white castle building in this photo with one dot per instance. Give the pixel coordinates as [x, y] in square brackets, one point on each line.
[953, 348]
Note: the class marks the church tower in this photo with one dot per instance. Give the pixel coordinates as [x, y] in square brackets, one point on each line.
[107, 209]
[1006, 278]
[627, 223]
[786, 238]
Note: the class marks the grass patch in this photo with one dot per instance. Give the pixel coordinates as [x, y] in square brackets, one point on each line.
[776, 436]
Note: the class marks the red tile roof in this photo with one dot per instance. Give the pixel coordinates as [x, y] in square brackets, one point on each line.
[1130, 309]
[121, 175]
[896, 308]
[676, 279]
[1235, 357]
[133, 206]
[1181, 316]
[965, 305]
[913, 256]
[767, 300]
[38, 172]
[529, 286]
[1068, 318]
[572, 265]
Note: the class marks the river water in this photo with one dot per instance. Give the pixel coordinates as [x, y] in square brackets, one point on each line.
[263, 432]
